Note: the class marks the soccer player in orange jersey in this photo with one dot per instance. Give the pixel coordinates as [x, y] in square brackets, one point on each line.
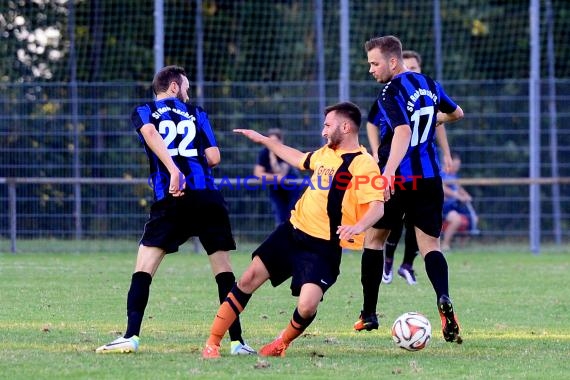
[339, 205]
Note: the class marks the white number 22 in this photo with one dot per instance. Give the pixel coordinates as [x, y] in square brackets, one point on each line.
[416, 125]
[185, 128]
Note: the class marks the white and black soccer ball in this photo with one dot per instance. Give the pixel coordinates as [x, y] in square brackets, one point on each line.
[411, 331]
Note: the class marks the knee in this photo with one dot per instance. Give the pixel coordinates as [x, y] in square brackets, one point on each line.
[247, 281]
[453, 218]
[307, 308]
[375, 238]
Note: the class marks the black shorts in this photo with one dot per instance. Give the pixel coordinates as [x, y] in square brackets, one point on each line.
[420, 204]
[289, 252]
[202, 213]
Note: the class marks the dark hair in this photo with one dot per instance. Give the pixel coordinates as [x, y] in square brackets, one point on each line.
[165, 76]
[275, 132]
[390, 46]
[348, 110]
[407, 54]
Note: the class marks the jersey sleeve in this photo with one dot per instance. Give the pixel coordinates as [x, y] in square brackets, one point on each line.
[394, 107]
[204, 126]
[305, 163]
[140, 116]
[446, 105]
[373, 114]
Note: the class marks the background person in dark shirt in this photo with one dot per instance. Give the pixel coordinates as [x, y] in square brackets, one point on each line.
[275, 171]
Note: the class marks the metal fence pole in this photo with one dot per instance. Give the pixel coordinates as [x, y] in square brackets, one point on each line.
[554, 172]
[199, 27]
[534, 126]
[158, 34]
[321, 77]
[74, 95]
[438, 59]
[12, 214]
[344, 75]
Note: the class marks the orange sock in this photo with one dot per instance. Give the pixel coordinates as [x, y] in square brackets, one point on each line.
[226, 315]
[296, 327]
[291, 332]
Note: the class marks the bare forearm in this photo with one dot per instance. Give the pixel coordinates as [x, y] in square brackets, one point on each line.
[374, 213]
[399, 147]
[373, 138]
[288, 154]
[442, 141]
[156, 144]
[450, 117]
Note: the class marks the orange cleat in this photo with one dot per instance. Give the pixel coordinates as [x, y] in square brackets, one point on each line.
[211, 351]
[275, 348]
[367, 322]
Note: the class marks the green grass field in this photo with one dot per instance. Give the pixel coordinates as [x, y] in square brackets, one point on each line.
[55, 309]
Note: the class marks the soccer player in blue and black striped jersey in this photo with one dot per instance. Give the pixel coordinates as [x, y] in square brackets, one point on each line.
[412, 104]
[181, 148]
[380, 139]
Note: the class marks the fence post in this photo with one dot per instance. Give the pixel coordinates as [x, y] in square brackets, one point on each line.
[12, 213]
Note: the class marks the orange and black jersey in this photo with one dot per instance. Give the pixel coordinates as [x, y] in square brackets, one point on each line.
[339, 192]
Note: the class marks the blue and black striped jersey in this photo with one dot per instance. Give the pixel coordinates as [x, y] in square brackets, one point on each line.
[414, 99]
[187, 133]
[377, 118]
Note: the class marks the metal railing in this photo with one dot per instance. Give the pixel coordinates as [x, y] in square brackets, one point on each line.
[262, 227]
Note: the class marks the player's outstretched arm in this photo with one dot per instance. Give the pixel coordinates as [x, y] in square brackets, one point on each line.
[288, 154]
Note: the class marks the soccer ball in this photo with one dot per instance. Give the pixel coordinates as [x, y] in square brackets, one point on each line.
[411, 331]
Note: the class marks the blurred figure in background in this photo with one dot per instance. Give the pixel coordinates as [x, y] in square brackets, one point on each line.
[458, 213]
[275, 171]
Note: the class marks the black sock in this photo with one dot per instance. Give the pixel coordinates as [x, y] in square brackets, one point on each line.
[390, 250]
[411, 250]
[301, 323]
[137, 300]
[226, 281]
[392, 242]
[371, 276]
[436, 269]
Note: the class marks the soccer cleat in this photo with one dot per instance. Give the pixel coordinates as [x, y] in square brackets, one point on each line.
[449, 324]
[120, 345]
[239, 348]
[275, 348]
[405, 271]
[211, 351]
[367, 323]
[387, 273]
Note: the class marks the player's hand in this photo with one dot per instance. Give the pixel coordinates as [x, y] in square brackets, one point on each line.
[447, 163]
[177, 184]
[345, 232]
[389, 186]
[252, 135]
[375, 155]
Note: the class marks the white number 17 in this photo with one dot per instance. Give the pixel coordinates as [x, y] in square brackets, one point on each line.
[416, 125]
